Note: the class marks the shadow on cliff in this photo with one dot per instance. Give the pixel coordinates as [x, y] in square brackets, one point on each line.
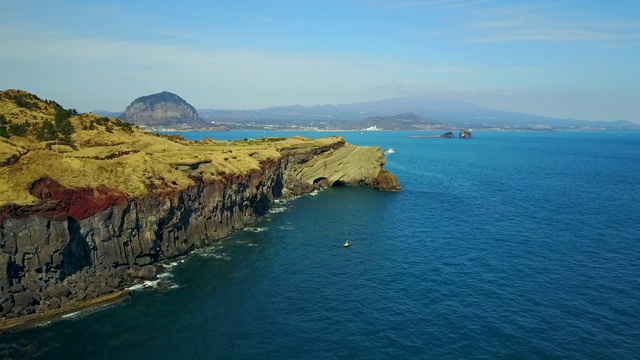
[77, 254]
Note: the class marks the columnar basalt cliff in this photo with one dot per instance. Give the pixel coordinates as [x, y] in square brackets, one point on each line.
[44, 248]
[67, 241]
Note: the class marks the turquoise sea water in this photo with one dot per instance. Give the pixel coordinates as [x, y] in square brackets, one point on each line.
[509, 245]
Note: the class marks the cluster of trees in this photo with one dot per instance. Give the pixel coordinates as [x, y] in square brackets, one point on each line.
[123, 125]
[60, 129]
[109, 124]
[4, 132]
[7, 129]
[27, 101]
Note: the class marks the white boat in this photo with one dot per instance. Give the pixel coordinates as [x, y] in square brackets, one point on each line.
[389, 151]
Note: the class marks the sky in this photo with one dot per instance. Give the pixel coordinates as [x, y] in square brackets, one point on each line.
[564, 58]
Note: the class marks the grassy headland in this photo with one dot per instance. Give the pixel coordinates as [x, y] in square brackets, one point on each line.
[38, 138]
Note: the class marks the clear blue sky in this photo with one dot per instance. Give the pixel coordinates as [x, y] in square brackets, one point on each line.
[578, 59]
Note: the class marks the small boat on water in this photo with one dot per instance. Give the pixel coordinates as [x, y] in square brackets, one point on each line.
[389, 151]
[346, 244]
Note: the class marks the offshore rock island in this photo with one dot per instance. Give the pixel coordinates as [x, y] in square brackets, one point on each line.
[89, 204]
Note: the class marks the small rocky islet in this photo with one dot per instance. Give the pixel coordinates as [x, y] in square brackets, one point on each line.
[90, 205]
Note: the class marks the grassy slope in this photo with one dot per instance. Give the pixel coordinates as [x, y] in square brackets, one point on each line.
[135, 163]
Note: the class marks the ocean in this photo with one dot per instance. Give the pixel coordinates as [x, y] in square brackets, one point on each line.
[518, 245]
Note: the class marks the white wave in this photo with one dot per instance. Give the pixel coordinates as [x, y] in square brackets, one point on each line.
[278, 209]
[73, 315]
[165, 276]
[215, 255]
[256, 229]
[316, 192]
[147, 284]
[152, 284]
[168, 266]
[135, 287]
[84, 312]
[206, 251]
[171, 265]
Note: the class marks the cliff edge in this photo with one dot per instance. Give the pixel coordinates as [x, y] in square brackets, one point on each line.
[89, 204]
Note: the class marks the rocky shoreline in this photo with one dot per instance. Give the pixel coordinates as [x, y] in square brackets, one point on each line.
[59, 258]
[38, 301]
[9, 324]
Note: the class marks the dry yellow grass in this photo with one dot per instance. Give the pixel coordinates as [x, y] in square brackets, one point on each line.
[8, 149]
[134, 163]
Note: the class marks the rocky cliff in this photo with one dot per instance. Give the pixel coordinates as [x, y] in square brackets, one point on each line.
[116, 202]
[465, 134]
[163, 109]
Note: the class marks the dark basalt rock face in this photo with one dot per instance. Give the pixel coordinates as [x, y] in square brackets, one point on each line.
[464, 134]
[47, 260]
[162, 109]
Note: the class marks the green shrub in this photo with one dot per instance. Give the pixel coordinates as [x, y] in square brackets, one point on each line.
[63, 126]
[46, 132]
[25, 101]
[19, 129]
[124, 126]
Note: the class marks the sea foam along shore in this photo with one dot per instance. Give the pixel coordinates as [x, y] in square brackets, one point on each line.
[94, 304]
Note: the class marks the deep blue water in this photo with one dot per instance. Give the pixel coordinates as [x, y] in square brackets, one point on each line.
[509, 245]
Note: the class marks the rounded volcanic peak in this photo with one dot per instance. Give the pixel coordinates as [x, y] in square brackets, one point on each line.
[156, 99]
[162, 109]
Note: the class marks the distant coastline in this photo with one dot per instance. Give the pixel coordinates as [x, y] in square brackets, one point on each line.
[403, 113]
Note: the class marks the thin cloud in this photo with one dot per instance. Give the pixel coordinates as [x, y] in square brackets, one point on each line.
[554, 35]
[239, 77]
[521, 69]
[424, 3]
[498, 24]
[545, 24]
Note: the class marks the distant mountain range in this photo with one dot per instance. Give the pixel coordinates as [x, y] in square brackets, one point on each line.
[407, 121]
[403, 113]
[106, 113]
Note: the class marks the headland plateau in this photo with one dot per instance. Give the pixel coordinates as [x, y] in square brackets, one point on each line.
[89, 204]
